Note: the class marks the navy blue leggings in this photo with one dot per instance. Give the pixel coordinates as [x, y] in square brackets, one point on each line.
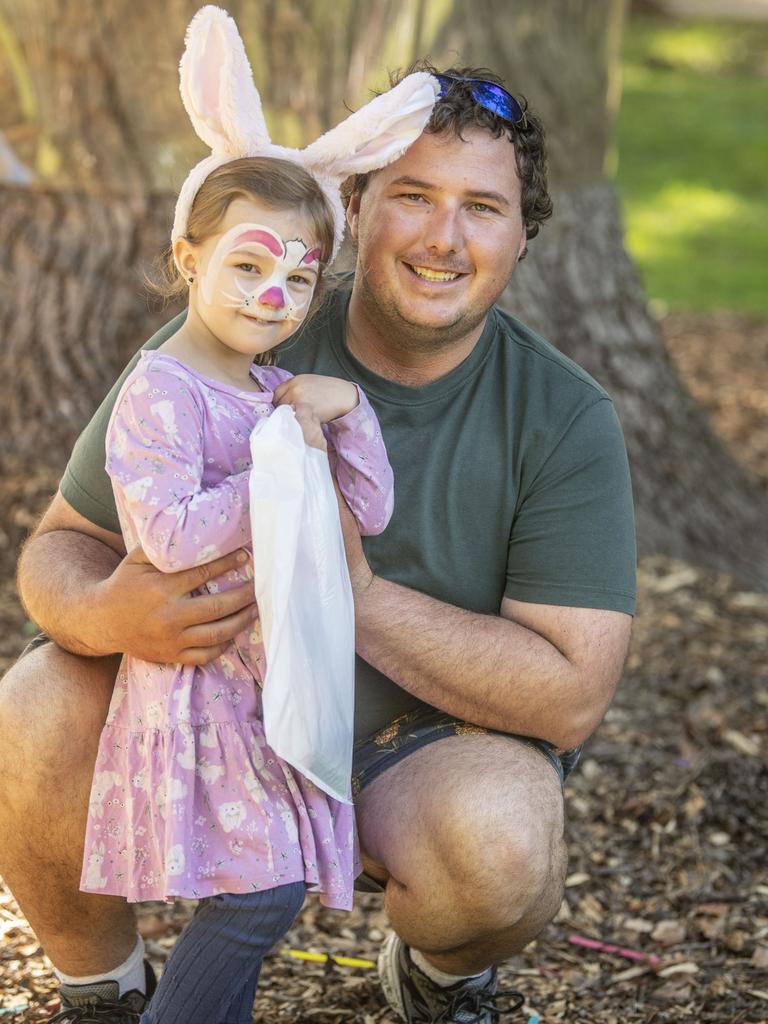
[211, 975]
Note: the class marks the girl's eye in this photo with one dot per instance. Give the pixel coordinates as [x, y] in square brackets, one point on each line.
[298, 279]
[247, 268]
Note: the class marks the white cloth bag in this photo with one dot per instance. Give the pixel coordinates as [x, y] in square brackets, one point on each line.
[305, 603]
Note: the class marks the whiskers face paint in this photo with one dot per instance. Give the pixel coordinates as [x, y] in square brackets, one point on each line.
[256, 271]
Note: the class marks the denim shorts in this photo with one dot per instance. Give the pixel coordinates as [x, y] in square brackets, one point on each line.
[377, 753]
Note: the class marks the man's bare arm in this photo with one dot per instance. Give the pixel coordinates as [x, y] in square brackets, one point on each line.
[539, 670]
[78, 585]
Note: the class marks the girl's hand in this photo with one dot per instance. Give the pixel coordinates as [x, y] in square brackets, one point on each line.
[311, 427]
[327, 397]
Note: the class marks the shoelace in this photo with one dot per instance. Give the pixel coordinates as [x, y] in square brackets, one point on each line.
[477, 1002]
[95, 1013]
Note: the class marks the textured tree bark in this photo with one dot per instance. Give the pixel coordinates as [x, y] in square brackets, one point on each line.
[102, 78]
[71, 309]
[562, 55]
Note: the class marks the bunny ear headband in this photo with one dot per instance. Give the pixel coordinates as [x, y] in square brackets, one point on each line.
[224, 105]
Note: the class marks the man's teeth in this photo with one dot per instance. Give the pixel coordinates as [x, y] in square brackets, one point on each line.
[434, 275]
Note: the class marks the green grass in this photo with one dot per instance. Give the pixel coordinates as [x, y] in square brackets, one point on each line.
[692, 172]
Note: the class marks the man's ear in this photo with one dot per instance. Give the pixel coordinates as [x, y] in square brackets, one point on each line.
[353, 214]
[185, 257]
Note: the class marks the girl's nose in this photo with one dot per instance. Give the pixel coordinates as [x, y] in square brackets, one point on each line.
[273, 297]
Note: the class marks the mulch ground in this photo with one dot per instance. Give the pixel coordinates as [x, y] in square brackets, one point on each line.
[665, 916]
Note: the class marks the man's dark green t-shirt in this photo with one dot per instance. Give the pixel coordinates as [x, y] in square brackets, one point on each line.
[511, 479]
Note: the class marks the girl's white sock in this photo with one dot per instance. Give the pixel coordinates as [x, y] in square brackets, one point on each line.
[440, 977]
[128, 975]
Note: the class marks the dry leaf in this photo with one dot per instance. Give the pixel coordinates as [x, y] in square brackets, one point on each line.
[579, 878]
[669, 933]
[742, 743]
[637, 924]
[736, 940]
[686, 967]
[674, 992]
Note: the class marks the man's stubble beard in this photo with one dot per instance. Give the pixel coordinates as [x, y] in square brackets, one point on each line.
[411, 336]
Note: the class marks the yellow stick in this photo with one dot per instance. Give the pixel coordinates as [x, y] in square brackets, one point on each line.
[323, 958]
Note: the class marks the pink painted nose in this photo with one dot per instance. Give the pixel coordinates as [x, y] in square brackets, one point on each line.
[273, 297]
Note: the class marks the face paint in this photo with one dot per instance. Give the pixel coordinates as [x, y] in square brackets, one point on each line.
[275, 288]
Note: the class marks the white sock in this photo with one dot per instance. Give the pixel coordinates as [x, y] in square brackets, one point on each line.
[440, 977]
[129, 975]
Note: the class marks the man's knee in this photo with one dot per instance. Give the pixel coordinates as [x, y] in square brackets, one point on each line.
[507, 856]
[52, 707]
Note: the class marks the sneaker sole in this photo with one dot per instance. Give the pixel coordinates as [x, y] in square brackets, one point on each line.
[389, 975]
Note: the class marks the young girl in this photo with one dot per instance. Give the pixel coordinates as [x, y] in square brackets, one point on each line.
[188, 799]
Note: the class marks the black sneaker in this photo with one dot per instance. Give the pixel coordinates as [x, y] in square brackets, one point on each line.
[101, 1002]
[418, 1000]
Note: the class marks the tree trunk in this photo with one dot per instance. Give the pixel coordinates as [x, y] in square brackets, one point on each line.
[562, 55]
[70, 264]
[101, 81]
[71, 309]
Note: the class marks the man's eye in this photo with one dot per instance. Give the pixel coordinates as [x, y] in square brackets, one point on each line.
[413, 196]
[483, 208]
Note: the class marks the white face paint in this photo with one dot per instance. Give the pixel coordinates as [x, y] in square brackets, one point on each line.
[254, 270]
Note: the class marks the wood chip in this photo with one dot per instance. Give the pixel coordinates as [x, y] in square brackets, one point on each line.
[687, 967]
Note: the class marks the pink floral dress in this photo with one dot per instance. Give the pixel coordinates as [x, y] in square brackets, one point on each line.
[187, 798]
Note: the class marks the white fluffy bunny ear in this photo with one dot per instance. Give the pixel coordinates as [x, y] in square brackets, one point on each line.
[377, 133]
[217, 86]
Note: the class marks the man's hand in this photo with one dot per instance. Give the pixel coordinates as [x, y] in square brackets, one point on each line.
[80, 587]
[154, 615]
[327, 397]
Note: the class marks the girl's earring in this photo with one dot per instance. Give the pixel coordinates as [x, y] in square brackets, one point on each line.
[191, 279]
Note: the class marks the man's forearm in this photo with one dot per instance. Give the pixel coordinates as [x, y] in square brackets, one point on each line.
[484, 668]
[60, 576]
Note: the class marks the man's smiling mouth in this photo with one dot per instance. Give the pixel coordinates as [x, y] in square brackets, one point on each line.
[428, 274]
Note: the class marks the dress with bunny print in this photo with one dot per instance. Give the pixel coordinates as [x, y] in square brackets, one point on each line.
[187, 798]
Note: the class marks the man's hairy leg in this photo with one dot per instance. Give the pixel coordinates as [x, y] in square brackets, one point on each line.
[469, 831]
[52, 708]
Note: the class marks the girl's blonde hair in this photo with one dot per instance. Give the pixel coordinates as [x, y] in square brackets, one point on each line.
[279, 184]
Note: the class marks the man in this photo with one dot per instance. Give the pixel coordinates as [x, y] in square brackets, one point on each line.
[493, 615]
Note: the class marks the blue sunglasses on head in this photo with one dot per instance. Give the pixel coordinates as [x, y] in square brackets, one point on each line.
[488, 95]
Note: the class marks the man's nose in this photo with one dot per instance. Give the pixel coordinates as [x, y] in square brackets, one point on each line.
[443, 230]
[273, 297]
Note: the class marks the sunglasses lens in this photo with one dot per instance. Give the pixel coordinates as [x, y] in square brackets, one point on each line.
[489, 95]
[498, 101]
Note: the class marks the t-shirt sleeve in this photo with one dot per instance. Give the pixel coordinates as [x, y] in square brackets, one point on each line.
[573, 539]
[85, 484]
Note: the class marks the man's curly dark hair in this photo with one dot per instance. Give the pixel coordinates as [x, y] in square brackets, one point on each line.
[457, 111]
